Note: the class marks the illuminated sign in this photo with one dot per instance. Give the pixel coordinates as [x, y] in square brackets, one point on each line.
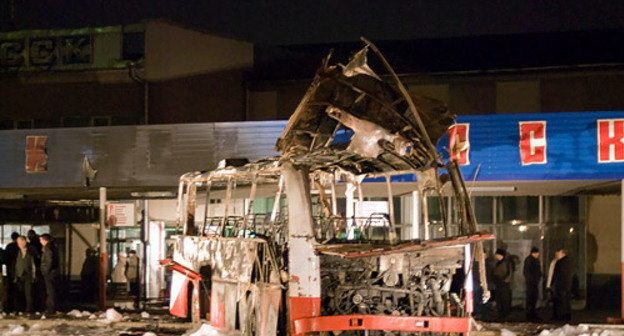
[121, 214]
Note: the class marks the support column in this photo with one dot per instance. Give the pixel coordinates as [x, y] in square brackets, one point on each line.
[425, 210]
[415, 214]
[103, 252]
[393, 234]
[350, 211]
[146, 236]
[303, 264]
[468, 285]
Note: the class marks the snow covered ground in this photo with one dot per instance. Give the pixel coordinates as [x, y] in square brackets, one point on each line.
[114, 323]
[109, 323]
[532, 329]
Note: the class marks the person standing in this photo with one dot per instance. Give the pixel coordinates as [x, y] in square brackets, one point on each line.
[24, 275]
[132, 273]
[118, 275]
[11, 254]
[119, 271]
[88, 275]
[562, 286]
[38, 286]
[50, 271]
[33, 239]
[3, 292]
[503, 273]
[532, 276]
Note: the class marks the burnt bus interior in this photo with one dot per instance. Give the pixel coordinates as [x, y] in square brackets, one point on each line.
[350, 125]
[401, 283]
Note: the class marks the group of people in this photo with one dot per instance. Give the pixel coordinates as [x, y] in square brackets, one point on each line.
[32, 273]
[558, 284]
[124, 275]
[126, 272]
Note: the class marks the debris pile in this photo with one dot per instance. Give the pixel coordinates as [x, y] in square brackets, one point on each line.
[582, 330]
[205, 330]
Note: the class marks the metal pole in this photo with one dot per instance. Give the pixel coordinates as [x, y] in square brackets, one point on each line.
[425, 210]
[146, 235]
[415, 214]
[103, 253]
[179, 208]
[249, 212]
[350, 210]
[206, 208]
[393, 234]
[228, 197]
[333, 196]
[468, 285]
[68, 252]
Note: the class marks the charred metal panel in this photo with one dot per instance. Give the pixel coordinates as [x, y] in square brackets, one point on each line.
[267, 309]
[392, 130]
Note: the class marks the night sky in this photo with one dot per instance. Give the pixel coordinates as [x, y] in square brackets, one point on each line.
[311, 22]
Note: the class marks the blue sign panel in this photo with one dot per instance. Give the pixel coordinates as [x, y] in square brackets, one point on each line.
[569, 142]
[539, 146]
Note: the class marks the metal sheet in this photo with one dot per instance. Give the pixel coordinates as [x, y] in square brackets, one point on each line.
[267, 309]
[134, 156]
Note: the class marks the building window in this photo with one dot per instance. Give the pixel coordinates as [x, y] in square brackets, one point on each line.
[24, 124]
[77, 121]
[483, 209]
[518, 209]
[561, 209]
[101, 121]
[133, 46]
[22, 229]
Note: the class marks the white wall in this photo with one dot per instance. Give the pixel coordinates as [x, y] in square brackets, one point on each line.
[603, 234]
[165, 210]
[78, 248]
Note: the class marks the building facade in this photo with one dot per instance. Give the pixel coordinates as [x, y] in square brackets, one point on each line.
[131, 108]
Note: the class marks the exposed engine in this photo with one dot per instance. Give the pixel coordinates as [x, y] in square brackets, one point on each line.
[402, 284]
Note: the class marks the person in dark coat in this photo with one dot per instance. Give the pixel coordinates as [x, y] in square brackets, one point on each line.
[10, 253]
[562, 286]
[132, 273]
[33, 240]
[532, 276]
[38, 286]
[503, 273]
[50, 271]
[24, 275]
[3, 293]
[89, 275]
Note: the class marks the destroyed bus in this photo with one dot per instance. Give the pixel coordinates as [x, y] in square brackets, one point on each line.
[304, 267]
